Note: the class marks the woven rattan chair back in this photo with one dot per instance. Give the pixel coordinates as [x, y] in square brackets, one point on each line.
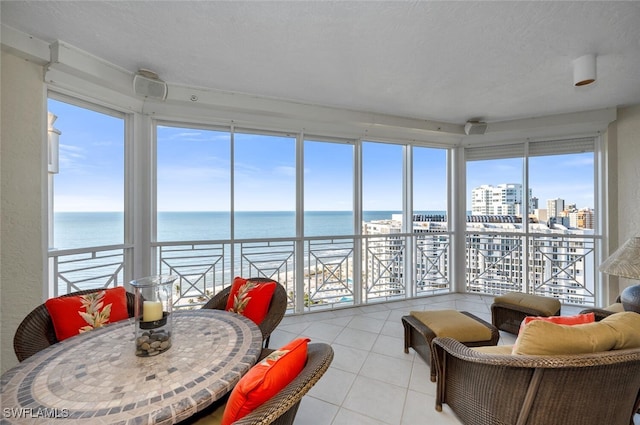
[281, 409]
[277, 307]
[35, 332]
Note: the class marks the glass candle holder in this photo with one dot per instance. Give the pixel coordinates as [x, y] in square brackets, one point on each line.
[153, 320]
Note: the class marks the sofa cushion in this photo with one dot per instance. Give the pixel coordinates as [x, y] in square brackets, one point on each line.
[545, 338]
[620, 330]
[626, 324]
[615, 307]
[559, 320]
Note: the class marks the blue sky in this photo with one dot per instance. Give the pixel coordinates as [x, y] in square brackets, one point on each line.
[194, 171]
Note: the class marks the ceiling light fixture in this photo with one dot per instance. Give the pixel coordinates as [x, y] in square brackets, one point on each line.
[584, 70]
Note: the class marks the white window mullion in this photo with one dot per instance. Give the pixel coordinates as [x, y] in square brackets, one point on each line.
[232, 191]
[140, 199]
[458, 219]
[358, 243]
[299, 241]
[409, 257]
[525, 219]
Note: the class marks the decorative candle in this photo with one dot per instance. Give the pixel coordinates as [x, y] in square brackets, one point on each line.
[153, 314]
[151, 311]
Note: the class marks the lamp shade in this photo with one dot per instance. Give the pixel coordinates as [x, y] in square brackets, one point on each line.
[625, 261]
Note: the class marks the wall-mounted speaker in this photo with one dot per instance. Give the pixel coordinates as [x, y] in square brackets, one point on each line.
[475, 127]
[147, 84]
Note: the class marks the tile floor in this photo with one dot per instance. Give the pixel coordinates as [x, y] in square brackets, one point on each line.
[371, 380]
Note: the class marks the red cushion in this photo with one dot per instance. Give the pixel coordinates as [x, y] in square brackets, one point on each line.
[562, 320]
[81, 313]
[250, 298]
[578, 319]
[265, 379]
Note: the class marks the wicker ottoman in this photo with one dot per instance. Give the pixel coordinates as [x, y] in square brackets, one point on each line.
[508, 310]
[420, 327]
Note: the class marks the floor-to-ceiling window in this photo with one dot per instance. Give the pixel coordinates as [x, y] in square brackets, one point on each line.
[562, 178]
[193, 203]
[383, 200]
[86, 195]
[495, 202]
[337, 221]
[342, 244]
[531, 223]
[329, 223]
[264, 199]
[431, 221]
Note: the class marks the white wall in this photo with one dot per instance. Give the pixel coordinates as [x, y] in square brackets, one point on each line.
[627, 172]
[22, 194]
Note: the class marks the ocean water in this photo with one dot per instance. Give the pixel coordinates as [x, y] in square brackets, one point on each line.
[86, 229]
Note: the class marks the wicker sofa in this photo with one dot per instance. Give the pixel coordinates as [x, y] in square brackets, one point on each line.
[490, 385]
[601, 313]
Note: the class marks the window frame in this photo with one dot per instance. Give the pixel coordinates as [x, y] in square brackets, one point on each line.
[592, 142]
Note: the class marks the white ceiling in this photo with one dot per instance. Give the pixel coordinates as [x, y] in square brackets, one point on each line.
[447, 61]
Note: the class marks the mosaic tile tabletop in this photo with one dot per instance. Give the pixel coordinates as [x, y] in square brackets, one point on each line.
[96, 378]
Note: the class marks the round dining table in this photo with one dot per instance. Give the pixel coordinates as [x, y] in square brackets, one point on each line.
[96, 377]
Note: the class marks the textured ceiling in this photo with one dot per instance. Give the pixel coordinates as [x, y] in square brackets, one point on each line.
[448, 61]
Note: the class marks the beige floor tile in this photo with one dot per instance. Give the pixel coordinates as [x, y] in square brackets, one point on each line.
[371, 380]
[376, 399]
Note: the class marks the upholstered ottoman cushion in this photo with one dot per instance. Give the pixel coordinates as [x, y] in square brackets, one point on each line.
[508, 310]
[420, 327]
[453, 324]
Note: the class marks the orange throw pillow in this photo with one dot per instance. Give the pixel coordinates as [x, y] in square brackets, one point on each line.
[250, 298]
[562, 320]
[81, 313]
[265, 379]
[578, 319]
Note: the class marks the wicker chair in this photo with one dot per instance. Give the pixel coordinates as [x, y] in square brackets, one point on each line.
[35, 332]
[277, 308]
[281, 409]
[580, 389]
[601, 313]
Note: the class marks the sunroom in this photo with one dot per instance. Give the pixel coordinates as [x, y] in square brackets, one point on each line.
[317, 144]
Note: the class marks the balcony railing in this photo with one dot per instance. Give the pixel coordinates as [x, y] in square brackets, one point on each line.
[73, 270]
[329, 272]
[555, 265]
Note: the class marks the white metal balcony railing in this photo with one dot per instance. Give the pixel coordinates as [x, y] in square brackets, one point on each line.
[561, 266]
[558, 265]
[73, 270]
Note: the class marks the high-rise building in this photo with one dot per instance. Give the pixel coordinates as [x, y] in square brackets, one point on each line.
[555, 207]
[582, 219]
[503, 199]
